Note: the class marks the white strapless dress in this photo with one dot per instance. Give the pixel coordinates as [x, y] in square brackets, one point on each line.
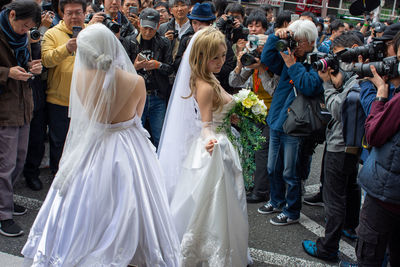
[114, 214]
[209, 204]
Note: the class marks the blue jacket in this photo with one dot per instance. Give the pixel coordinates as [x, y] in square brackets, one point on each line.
[368, 94]
[325, 46]
[380, 175]
[305, 79]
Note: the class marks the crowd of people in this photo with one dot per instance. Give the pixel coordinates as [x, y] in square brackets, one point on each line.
[99, 79]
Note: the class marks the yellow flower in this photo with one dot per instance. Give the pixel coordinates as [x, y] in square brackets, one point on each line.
[248, 103]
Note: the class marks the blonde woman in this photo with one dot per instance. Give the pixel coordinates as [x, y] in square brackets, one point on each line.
[203, 173]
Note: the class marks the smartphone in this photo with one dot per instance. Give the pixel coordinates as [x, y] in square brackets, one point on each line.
[142, 57]
[75, 31]
[294, 17]
[133, 10]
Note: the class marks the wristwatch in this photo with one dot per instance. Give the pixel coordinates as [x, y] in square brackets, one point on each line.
[381, 99]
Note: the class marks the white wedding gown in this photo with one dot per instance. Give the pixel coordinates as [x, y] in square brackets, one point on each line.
[209, 203]
[112, 213]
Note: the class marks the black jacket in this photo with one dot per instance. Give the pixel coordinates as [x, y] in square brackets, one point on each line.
[156, 80]
[127, 28]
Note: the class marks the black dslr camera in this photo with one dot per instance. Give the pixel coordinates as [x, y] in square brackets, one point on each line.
[283, 44]
[374, 51]
[388, 66]
[321, 61]
[108, 22]
[233, 34]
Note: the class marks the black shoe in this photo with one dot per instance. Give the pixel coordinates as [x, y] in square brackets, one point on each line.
[34, 183]
[10, 228]
[19, 210]
[315, 200]
[254, 198]
[267, 208]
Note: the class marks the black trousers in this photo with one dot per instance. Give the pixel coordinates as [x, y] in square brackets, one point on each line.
[58, 128]
[342, 199]
[379, 228]
[36, 147]
[261, 182]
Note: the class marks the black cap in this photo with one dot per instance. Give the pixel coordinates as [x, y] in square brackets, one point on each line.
[149, 17]
[389, 32]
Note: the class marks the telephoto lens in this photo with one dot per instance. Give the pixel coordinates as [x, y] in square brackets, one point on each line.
[388, 67]
[109, 23]
[283, 44]
[374, 51]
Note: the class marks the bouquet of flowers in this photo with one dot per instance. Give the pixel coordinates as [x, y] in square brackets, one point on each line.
[250, 111]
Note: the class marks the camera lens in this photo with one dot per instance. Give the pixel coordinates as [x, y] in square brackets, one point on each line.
[35, 34]
[247, 59]
[282, 45]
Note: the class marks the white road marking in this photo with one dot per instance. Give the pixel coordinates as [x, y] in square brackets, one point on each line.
[10, 260]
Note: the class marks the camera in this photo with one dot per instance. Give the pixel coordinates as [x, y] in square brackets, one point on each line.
[250, 56]
[321, 62]
[113, 26]
[374, 51]
[388, 66]
[35, 34]
[108, 22]
[284, 44]
[233, 34]
[176, 34]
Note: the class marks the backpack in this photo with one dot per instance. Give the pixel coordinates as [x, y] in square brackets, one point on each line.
[353, 119]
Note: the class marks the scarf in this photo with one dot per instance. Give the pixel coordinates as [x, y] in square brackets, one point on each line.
[17, 42]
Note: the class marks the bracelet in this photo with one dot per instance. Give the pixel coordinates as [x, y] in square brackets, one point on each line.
[157, 64]
[381, 99]
[366, 24]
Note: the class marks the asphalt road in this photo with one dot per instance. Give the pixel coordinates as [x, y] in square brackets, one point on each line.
[269, 245]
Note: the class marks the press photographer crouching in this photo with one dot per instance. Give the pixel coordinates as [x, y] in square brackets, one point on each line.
[250, 73]
[379, 230]
[296, 77]
[341, 193]
[152, 60]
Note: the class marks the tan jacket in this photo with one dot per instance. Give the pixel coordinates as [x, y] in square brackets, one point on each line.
[16, 103]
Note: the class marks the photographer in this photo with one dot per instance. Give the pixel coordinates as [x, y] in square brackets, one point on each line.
[263, 82]
[368, 90]
[152, 60]
[231, 24]
[282, 21]
[16, 103]
[379, 230]
[337, 28]
[131, 10]
[341, 194]
[283, 148]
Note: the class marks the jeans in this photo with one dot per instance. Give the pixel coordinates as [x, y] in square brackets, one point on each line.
[284, 182]
[58, 122]
[342, 199]
[154, 112]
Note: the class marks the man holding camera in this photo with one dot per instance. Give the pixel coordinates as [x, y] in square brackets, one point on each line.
[58, 55]
[152, 60]
[295, 77]
[112, 8]
[341, 193]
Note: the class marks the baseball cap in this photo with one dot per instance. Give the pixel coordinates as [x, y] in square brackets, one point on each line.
[389, 32]
[149, 17]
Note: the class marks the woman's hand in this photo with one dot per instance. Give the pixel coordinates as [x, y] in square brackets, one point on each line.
[210, 146]
[36, 66]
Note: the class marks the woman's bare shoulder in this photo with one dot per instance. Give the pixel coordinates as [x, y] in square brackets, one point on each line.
[203, 87]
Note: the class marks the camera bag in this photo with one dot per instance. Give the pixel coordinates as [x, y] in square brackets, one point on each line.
[307, 116]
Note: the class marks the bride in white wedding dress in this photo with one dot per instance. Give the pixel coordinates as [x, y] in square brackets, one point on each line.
[202, 169]
[106, 206]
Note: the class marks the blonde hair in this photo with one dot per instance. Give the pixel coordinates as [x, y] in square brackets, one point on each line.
[206, 47]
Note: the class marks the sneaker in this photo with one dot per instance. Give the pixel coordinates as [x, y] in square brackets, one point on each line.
[315, 200]
[19, 210]
[350, 233]
[310, 247]
[282, 219]
[10, 228]
[347, 264]
[268, 209]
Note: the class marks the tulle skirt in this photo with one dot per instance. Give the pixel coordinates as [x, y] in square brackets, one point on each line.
[115, 211]
[209, 207]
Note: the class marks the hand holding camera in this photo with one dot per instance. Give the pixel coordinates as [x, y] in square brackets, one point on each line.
[379, 82]
[35, 66]
[47, 18]
[95, 18]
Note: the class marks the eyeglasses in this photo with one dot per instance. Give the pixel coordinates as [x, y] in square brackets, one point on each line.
[71, 13]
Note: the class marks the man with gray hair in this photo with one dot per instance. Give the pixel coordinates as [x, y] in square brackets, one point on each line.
[283, 156]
